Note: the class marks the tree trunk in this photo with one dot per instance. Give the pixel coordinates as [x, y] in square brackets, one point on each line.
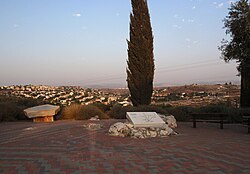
[245, 88]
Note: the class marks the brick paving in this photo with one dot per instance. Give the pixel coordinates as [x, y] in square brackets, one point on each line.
[67, 147]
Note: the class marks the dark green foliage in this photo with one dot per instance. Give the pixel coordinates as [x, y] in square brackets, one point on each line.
[219, 108]
[181, 113]
[245, 88]
[102, 106]
[237, 25]
[11, 107]
[119, 112]
[233, 114]
[21, 102]
[140, 71]
[9, 111]
[80, 112]
[173, 97]
[244, 111]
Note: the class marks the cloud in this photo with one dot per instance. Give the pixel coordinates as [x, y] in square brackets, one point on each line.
[176, 16]
[190, 20]
[176, 26]
[76, 14]
[190, 42]
[194, 7]
[195, 42]
[218, 5]
[179, 18]
[16, 25]
[84, 27]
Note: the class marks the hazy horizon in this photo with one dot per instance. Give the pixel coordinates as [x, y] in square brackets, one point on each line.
[83, 43]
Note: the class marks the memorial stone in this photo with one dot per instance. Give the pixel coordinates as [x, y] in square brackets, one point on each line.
[145, 119]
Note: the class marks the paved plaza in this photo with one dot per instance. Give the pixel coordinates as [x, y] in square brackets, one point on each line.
[67, 147]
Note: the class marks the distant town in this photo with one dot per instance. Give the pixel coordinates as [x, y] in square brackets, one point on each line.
[187, 95]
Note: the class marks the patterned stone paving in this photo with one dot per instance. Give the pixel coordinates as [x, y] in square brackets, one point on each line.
[67, 147]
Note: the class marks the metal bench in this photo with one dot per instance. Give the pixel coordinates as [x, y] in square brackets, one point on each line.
[208, 117]
[246, 122]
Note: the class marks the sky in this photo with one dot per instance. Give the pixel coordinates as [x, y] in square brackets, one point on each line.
[83, 42]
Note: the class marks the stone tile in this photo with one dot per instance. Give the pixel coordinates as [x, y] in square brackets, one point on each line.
[68, 147]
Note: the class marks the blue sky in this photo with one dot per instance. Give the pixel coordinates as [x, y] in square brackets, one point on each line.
[83, 42]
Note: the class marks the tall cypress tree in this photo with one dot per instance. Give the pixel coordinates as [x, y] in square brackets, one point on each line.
[140, 70]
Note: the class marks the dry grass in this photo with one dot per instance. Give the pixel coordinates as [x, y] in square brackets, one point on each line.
[80, 112]
[71, 112]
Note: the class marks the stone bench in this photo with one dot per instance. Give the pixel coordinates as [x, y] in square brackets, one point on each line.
[42, 113]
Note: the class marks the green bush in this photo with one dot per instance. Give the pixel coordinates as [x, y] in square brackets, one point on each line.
[80, 112]
[233, 114]
[11, 107]
[9, 111]
[213, 108]
[29, 102]
[20, 101]
[181, 113]
[102, 106]
[119, 112]
[244, 111]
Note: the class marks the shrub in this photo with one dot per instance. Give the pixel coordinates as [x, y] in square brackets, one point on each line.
[71, 112]
[88, 111]
[244, 111]
[214, 108]
[80, 112]
[9, 111]
[119, 112]
[181, 113]
[29, 102]
[102, 106]
[11, 107]
[233, 114]
[20, 101]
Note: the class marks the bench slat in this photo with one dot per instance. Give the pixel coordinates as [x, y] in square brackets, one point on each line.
[208, 117]
[207, 120]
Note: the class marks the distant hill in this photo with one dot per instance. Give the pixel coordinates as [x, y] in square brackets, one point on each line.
[121, 85]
